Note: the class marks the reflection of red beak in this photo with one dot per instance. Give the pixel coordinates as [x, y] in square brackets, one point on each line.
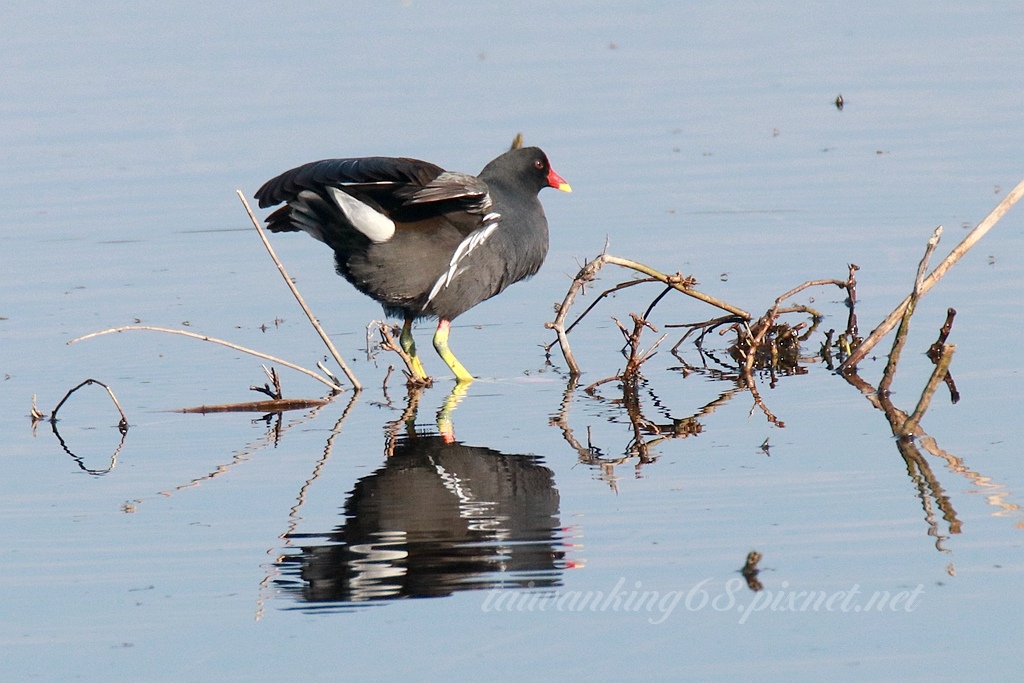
[555, 181]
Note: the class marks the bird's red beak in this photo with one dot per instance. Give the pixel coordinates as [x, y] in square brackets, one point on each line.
[555, 181]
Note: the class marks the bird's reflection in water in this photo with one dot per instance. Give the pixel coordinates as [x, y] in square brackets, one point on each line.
[438, 517]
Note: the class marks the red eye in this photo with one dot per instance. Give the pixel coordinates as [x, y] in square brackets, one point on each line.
[539, 165]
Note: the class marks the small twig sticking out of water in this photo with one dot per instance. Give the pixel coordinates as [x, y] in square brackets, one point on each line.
[387, 342]
[750, 571]
[275, 393]
[969, 241]
[936, 349]
[332, 384]
[36, 414]
[909, 427]
[637, 357]
[851, 302]
[630, 376]
[298, 297]
[330, 375]
[904, 329]
[941, 354]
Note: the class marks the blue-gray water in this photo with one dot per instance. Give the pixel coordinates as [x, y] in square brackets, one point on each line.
[697, 139]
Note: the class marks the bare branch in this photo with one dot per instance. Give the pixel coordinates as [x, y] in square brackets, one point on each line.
[271, 406]
[123, 425]
[910, 425]
[298, 297]
[969, 241]
[676, 282]
[904, 330]
[334, 386]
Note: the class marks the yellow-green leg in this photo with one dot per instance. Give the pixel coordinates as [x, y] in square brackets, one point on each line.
[409, 346]
[441, 344]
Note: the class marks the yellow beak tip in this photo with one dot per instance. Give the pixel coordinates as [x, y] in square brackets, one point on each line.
[564, 187]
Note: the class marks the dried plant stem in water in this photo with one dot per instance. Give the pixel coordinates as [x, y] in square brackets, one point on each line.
[203, 337]
[910, 425]
[904, 329]
[298, 297]
[676, 282]
[122, 425]
[388, 344]
[589, 271]
[271, 406]
[972, 238]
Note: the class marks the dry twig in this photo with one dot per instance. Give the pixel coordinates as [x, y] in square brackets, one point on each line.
[298, 297]
[969, 241]
[909, 426]
[904, 329]
[589, 271]
[387, 342]
[122, 425]
[277, 405]
[333, 385]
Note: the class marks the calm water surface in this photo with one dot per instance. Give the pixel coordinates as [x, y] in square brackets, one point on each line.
[352, 540]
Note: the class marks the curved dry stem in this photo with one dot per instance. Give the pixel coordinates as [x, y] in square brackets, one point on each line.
[811, 283]
[123, 425]
[586, 274]
[203, 337]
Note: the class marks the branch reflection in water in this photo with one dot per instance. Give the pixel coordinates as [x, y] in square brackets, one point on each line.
[741, 377]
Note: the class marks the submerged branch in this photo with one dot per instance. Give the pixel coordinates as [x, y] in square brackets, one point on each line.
[272, 406]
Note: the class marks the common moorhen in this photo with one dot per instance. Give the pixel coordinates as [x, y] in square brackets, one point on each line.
[422, 241]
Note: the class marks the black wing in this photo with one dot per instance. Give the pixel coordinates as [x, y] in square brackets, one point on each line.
[405, 189]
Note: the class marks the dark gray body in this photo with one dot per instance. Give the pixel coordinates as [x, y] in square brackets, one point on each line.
[493, 222]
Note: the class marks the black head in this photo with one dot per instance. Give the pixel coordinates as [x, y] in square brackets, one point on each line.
[526, 167]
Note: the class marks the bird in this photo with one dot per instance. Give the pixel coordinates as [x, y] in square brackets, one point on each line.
[422, 241]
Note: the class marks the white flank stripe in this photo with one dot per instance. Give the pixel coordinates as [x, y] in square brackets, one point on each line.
[466, 246]
[365, 219]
